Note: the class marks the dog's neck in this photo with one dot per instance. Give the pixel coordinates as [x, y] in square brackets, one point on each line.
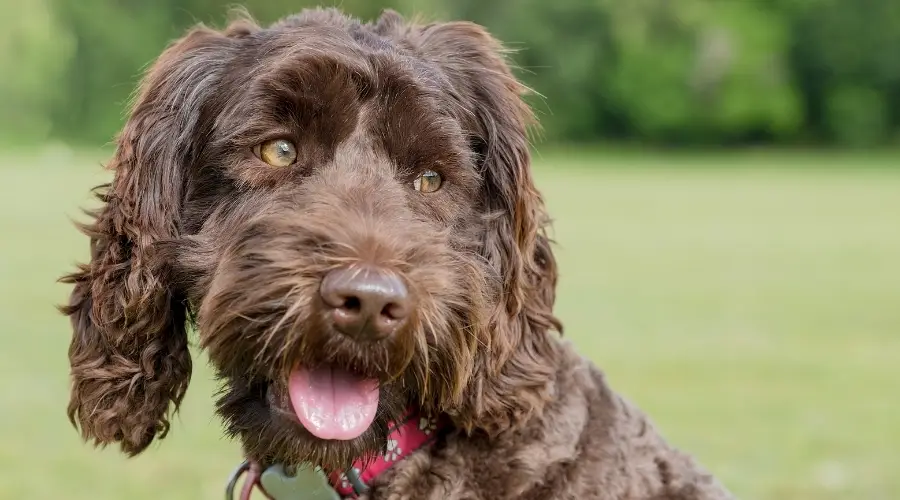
[414, 432]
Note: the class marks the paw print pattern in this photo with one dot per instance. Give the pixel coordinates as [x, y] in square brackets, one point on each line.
[427, 425]
[393, 451]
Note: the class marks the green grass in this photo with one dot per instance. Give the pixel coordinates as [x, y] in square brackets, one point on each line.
[752, 311]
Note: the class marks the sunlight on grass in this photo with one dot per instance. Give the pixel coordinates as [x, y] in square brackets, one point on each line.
[751, 311]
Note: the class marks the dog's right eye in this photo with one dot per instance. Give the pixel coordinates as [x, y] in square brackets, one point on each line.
[428, 181]
[278, 153]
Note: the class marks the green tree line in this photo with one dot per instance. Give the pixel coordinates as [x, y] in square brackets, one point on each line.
[670, 72]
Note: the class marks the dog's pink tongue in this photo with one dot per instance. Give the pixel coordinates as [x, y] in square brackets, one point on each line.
[332, 403]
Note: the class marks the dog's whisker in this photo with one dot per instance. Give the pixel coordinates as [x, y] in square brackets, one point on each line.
[294, 339]
[350, 248]
[288, 313]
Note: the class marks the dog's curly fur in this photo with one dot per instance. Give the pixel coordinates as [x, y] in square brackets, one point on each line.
[194, 230]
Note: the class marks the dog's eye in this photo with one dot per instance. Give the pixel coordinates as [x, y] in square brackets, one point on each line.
[428, 181]
[278, 153]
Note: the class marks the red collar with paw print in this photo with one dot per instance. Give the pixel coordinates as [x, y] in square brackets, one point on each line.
[414, 432]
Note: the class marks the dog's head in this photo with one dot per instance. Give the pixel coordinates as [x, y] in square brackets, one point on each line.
[346, 215]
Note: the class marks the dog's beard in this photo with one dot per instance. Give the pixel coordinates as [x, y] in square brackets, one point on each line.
[412, 370]
[259, 357]
[420, 367]
[424, 366]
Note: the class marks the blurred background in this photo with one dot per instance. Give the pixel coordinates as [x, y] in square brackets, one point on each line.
[725, 181]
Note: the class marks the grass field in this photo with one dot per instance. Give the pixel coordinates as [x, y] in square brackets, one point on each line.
[753, 311]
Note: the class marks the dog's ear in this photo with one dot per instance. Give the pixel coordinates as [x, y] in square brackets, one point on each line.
[514, 378]
[129, 355]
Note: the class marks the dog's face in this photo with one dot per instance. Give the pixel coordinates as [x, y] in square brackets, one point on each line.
[345, 213]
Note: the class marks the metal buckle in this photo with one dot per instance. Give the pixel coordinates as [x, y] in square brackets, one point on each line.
[234, 477]
[359, 487]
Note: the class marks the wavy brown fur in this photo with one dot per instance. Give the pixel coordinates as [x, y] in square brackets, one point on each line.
[195, 229]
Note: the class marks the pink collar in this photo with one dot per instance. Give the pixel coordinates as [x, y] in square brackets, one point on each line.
[413, 433]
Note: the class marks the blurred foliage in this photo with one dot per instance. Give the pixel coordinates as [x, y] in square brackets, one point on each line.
[686, 72]
[35, 48]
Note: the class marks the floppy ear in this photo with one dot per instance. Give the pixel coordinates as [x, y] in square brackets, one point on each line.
[129, 351]
[514, 378]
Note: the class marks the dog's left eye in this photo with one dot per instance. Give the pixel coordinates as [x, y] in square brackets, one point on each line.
[428, 181]
[278, 153]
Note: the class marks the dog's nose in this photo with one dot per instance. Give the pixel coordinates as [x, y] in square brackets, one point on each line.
[366, 302]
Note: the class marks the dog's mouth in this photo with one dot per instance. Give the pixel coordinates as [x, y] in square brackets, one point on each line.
[330, 402]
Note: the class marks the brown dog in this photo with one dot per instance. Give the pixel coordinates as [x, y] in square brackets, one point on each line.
[346, 214]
